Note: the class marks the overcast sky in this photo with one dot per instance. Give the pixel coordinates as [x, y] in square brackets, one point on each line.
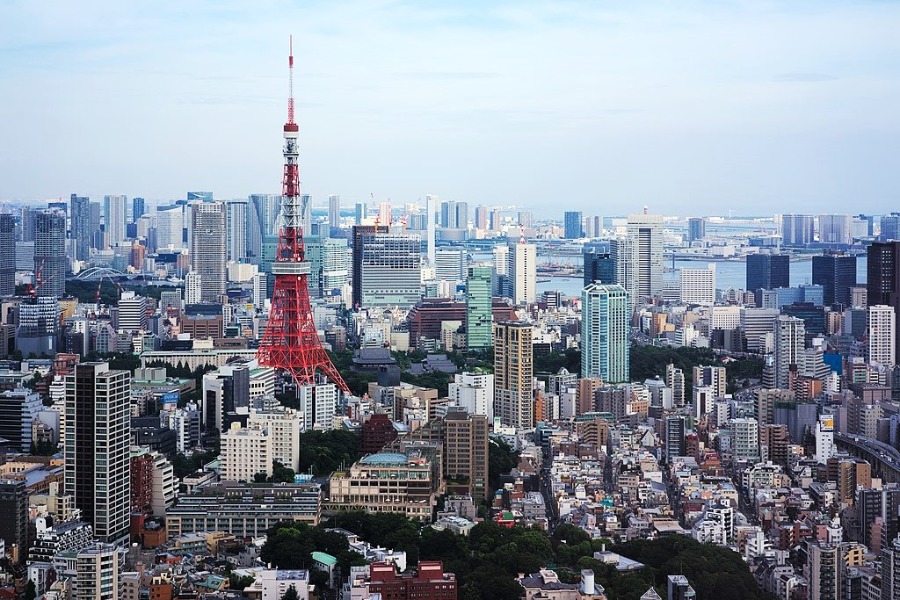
[748, 107]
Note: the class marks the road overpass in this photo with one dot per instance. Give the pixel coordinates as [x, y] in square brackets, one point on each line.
[884, 458]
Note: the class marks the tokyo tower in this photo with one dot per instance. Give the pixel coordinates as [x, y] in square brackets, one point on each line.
[291, 342]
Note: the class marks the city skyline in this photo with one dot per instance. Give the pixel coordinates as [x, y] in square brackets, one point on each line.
[791, 107]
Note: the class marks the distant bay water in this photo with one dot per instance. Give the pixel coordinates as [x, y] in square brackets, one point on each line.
[729, 274]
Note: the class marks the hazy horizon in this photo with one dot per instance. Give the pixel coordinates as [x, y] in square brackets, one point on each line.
[690, 109]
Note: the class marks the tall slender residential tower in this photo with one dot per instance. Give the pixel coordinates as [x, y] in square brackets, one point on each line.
[7, 255]
[291, 342]
[646, 234]
[513, 374]
[50, 253]
[605, 318]
[98, 435]
[478, 307]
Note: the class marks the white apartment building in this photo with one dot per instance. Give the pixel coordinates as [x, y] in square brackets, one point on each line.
[284, 426]
[474, 392]
[245, 452]
[882, 338]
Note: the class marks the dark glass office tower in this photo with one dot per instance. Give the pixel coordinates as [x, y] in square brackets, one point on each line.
[836, 273]
[599, 265]
[768, 272]
[572, 225]
[883, 281]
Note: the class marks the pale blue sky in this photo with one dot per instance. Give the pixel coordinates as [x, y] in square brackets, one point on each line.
[688, 107]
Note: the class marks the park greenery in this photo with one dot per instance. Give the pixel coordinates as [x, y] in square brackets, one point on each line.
[648, 362]
[487, 562]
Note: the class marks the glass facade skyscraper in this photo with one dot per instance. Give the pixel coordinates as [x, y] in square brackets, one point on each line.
[478, 307]
[605, 336]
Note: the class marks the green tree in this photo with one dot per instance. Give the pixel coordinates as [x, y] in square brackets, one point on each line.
[281, 473]
[291, 594]
[30, 590]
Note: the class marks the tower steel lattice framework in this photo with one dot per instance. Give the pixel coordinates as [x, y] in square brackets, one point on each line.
[291, 342]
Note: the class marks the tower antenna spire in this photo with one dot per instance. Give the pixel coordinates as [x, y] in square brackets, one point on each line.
[291, 82]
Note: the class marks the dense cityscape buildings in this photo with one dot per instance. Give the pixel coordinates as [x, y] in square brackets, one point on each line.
[263, 397]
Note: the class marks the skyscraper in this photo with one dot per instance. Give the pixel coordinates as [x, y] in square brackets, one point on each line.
[513, 374]
[646, 234]
[14, 508]
[50, 253]
[80, 210]
[138, 209]
[790, 342]
[605, 326]
[390, 270]
[883, 279]
[334, 213]
[431, 206]
[882, 335]
[835, 229]
[7, 255]
[572, 225]
[114, 218]
[98, 434]
[599, 264]
[478, 307]
[675, 441]
[836, 273]
[208, 249]
[466, 453]
[698, 286]
[696, 229]
[236, 213]
[357, 258]
[359, 213]
[767, 272]
[450, 264]
[523, 272]
[262, 211]
[797, 230]
[481, 217]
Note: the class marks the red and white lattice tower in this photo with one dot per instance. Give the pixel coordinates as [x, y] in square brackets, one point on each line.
[291, 342]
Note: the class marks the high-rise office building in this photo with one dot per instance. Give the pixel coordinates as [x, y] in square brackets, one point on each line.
[359, 213]
[334, 213]
[98, 434]
[890, 227]
[790, 343]
[513, 374]
[454, 215]
[523, 272]
[882, 335]
[646, 256]
[359, 231]
[698, 286]
[7, 255]
[450, 264]
[262, 213]
[329, 261]
[14, 524]
[481, 218]
[713, 377]
[169, 225]
[208, 249]
[236, 212]
[572, 229]
[27, 224]
[599, 265]
[114, 218]
[80, 209]
[696, 229]
[385, 214]
[50, 253]
[605, 327]
[797, 230]
[390, 270]
[835, 229]
[431, 207]
[593, 226]
[883, 279]
[496, 219]
[836, 273]
[478, 308]
[138, 209]
[890, 570]
[767, 272]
